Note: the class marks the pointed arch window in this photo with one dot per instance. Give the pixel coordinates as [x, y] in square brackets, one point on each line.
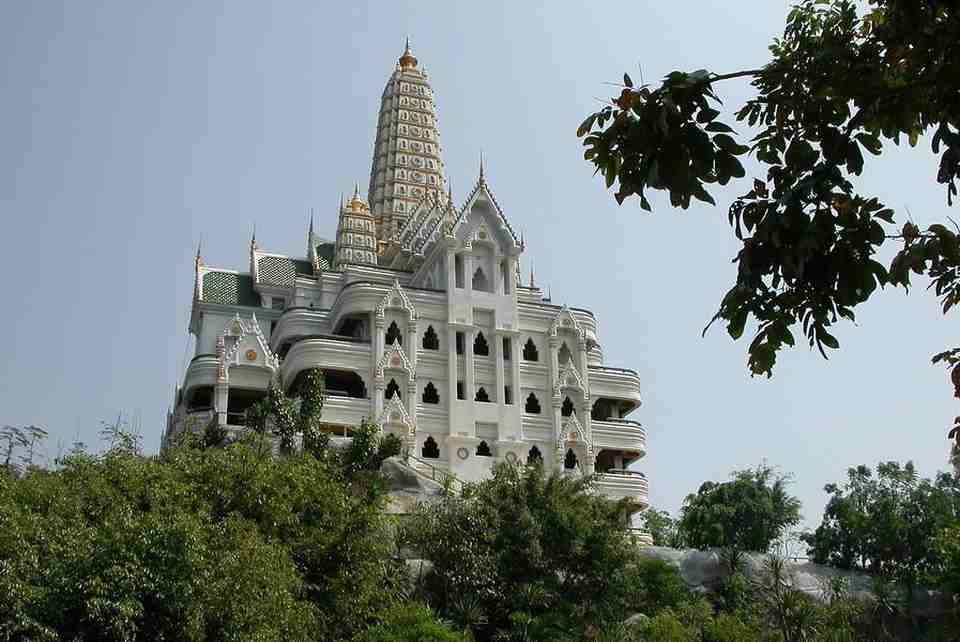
[563, 357]
[570, 461]
[430, 394]
[394, 334]
[534, 456]
[530, 351]
[482, 395]
[430, 339]
[533, 405]
[483, 450]
[567, 408]
[480, 345]
[430, 449]
[392, 389]
[480, 281]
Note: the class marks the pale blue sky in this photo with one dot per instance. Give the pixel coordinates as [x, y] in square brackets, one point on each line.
[130, 129]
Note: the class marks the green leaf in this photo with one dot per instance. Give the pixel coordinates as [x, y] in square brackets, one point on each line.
[627, 81]
[854, 158]
[717, 126]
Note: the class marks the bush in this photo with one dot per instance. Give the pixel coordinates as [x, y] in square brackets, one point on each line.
[411, 622]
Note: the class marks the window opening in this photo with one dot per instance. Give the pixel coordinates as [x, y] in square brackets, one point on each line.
[460, 341]
[530, 351]
[507, 395]
[393, 334]
[482, 395]
[533, 405]
[534, 456]
[460, 393]
[458, 270]
[570, 461]
[480, 281]
[430, 449]
[430, 339]
[567, 408]
[480, 346]
[483, 450]
[392, 389]
[564, 355]
[430, 394]
[506, 348]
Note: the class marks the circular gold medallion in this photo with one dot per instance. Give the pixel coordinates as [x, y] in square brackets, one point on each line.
[251, 355]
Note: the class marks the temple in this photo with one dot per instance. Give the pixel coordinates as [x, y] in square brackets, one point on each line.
[416, 314]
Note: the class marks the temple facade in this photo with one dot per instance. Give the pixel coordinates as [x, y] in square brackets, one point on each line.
[416, 313]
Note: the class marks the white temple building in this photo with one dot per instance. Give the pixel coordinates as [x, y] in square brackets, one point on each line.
[417, 316]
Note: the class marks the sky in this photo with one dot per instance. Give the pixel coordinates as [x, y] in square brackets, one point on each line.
[129, 131]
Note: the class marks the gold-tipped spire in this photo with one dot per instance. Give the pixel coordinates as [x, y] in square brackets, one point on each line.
[407, 60]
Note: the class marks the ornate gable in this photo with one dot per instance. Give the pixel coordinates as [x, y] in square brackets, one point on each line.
[569, 377]
[572, 432]
[394, 412]
[243, 343]
[481, 193]
[394, 358]
[398, 299]
[566, 320]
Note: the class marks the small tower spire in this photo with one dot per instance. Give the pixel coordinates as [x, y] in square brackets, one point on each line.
[481, 167]
[532, 282]
[407, 60]
[253, 237]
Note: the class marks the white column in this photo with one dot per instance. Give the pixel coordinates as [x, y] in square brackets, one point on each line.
[375, 353]
[468, 273]
[221, 402]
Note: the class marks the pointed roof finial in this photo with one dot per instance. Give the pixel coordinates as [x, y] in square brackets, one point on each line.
[407, 60]
[532, 282]
[310, 229]
[549, 295]
[253, 237]
[356, 189]
[523, 243]
[199, 245]
[481, 166]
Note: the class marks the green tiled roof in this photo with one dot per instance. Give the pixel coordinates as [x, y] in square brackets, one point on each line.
[276, 270]
[228, 288]
[325, 255]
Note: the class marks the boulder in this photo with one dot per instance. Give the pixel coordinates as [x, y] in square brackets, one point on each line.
[407, 487]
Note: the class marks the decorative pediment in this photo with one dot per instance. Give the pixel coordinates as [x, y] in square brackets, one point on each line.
[566, 321]
[396, 298]
[481, 199]
[569, 378]
[395, 413]
[572, 433]
[394, 358]
[243, 343]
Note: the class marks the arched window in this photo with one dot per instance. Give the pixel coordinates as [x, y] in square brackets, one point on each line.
[530, 351]
[430, 449]
[567, 408]
[392, 389]
[483, 450]
[430, 339]
[458, 271]
[533, 405]
[570, 461]
[430, 393]
[534, 456]
[480, 346]
[563, 357]
[480, 281]
[482, 395]
[393, 334]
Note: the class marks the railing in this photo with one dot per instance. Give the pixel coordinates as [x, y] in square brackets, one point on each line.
[433, 473]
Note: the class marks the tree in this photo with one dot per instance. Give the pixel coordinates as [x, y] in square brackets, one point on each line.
[841, 81]
[528, 553]
[661, 527]
[747, 513]
[196, 544]
[887, 524]
[283, 416]
[410, 623]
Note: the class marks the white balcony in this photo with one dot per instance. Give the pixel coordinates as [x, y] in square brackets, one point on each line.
[202, 371]
[328, 352]
[618, 484]
[296, 323]
[615, 383]
[619, 434]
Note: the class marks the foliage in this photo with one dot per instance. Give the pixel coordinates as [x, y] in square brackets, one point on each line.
[197, 544]
[369, 448]
[947, 544]
[529, 551]
[411, 622]
[887, 523]
[747, 513]
[661, 527]
[283, 416]
[844, 78]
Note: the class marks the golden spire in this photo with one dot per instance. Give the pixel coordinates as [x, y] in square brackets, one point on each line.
[407, 60]
[356, 203]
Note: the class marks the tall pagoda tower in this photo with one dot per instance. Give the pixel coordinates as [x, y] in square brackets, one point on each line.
[407, 165]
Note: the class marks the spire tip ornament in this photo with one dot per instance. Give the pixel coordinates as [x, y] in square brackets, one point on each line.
[407, 60]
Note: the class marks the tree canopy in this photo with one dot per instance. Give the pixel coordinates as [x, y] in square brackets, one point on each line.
[846, 79]
[747, 513]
